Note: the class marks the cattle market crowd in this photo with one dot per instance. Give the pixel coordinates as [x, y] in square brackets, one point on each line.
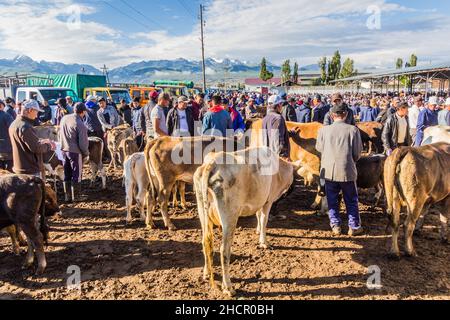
[339, 143]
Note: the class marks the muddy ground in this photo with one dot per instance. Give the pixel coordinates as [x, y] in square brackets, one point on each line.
[305, 262]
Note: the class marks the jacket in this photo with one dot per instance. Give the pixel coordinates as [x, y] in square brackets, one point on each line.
[385, 114]
[46, 115]
[340, 145]
[5, 142]
[443, 117]
[427, 118]
[126, 114]
[289, 113]
[108, 117]
[238, 122]
[216, 122]
[136, 120]
[92, 123]
[389, 137]
[27, 148]
[10, 110]
[73, 135]
[276, 136]
[320, 112]
[368, 114]
[303, 114]
[173, 121]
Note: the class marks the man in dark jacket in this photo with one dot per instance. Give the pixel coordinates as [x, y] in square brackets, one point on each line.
[396, 130]
[337, 100]
[180, 120]
[389, 111]
[46, 114]
[125, 111]
[73, 136]
[6, 157]
[319, 110]
[27, 147]
[276, 136]
[91, 119]
[288, 112]
[10, 106]
[136, 124]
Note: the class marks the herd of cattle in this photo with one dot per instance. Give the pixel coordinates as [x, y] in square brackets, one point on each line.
[229, 185]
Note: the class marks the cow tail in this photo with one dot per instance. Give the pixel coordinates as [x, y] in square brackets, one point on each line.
[208, 228]
[392, 185]
[43, 221]
[147, 153]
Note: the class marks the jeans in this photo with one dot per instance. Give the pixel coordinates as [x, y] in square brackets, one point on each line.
[73, 167]
[350, 193]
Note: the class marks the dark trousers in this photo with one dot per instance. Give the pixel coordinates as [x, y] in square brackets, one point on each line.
[350, 193]
[140, 142]
[73, 167]
[7, 165]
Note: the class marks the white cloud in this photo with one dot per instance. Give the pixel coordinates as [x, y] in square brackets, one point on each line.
[302, 30]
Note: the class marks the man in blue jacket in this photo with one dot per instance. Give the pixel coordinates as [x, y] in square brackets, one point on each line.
[136, 119]
[6, 156]
[303, 113]
[320, 110]
[369, 111]
[91, 120]
[217, 120]
[427, 118]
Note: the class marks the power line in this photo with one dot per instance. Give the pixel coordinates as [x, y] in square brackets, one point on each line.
[188, 10]
[127, 15]
[203, 48]
[141, 14]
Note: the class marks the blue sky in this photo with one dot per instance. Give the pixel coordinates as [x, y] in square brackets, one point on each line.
[119, 32]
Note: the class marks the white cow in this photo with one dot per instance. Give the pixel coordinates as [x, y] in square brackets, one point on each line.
[247, 183]
[436, 134]
[136, 183]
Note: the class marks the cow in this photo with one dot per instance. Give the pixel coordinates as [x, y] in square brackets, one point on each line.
[47, 132]
[303, 154]
[436, 134]
[22, 203]
[127, 147]
[370, 175]
[417, 178]
[114, 138]
[96, 160]
[51, 208]
[371, 136]
[174, 159]
[136, 183]
[233, 185]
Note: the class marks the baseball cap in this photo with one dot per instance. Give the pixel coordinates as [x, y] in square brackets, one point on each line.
[79, 107]
[154, 94]
[336, 96]
[91, 97]
[183, 99]
[432, 100]
[31, 105]
[339, 109]
[275, 100]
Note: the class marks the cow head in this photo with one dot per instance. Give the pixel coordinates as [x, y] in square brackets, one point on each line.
[51, 202]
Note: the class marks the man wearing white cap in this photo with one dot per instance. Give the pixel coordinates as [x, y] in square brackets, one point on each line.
[27, 147]
[427, 118]
[444, 114]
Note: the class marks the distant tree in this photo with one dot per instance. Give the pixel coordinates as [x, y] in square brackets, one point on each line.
[348, 69]
[334, 67]
[399, 63]
[286, 71]
[265, 74]
[323, 70]
[413, 60]
[295, 75]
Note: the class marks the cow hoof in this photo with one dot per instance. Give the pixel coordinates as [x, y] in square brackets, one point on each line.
[229, 292]
[129, 222]
[172, 227]
[151, 226]
[263, 246]
[411, 254]
[394, 255]
[40, 271]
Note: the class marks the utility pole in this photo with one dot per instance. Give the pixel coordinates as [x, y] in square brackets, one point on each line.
[203, 48]
[105, 73]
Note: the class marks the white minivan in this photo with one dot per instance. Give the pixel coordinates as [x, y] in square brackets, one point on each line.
[42, 94]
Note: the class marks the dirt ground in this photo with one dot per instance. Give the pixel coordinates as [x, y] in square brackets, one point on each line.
[305, 262]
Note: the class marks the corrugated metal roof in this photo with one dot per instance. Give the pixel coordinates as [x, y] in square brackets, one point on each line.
[394, 72]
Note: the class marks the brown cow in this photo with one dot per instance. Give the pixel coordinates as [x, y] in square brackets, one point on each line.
[169, 160]
[96, 160]
[22, 203]
[371, 136]
[127, 148]
[417, 178]
[115, 137]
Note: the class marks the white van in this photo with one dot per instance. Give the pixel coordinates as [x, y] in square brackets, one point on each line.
[42, 94]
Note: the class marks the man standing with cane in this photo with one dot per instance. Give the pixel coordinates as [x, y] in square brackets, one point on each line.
[340, 145]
